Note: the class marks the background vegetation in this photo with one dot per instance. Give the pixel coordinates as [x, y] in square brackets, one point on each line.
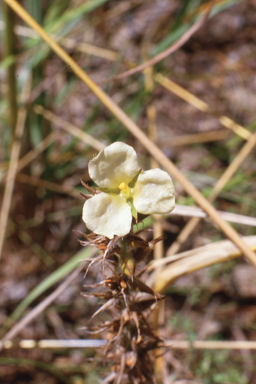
[198, 106]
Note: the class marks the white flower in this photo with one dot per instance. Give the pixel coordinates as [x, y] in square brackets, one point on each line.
[124, 191]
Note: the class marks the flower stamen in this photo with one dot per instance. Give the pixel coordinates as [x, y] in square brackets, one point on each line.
[125, 191]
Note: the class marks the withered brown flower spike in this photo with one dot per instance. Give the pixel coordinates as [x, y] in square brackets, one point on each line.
[130, 301]
[123, 190]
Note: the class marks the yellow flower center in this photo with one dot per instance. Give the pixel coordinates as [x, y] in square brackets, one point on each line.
[125, 191]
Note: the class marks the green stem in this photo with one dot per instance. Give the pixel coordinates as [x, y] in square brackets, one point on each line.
[11, 74]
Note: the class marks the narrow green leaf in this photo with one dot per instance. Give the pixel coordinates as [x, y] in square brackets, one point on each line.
[182, 28]
[7, 62]
[55, 277]
[74, 13]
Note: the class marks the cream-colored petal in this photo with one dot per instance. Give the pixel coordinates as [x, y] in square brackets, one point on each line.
[154, 192]
[107, 215]
[115, 164]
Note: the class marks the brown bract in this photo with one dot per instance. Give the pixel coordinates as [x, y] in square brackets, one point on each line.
[130, 337]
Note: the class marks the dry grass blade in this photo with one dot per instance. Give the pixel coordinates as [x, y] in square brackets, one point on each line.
[195, 138]
[135, 130]
[70, 128]
[189, 211]
[195, 259]
[33, 180]
[13, 166]
[181, 41]
[67, 43]
[96, 343]
[233, 167]
[209, 344]
[121, 7]
[213, 247]
[201, 105]
[31, 155]
[90, 49]
[226, 176]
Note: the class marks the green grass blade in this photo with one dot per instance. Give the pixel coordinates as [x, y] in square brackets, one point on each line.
[54, 278]
[182, 28]
[7, 62]
[76, 13]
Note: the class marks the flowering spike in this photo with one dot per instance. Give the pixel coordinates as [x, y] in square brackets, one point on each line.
[124, 191]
